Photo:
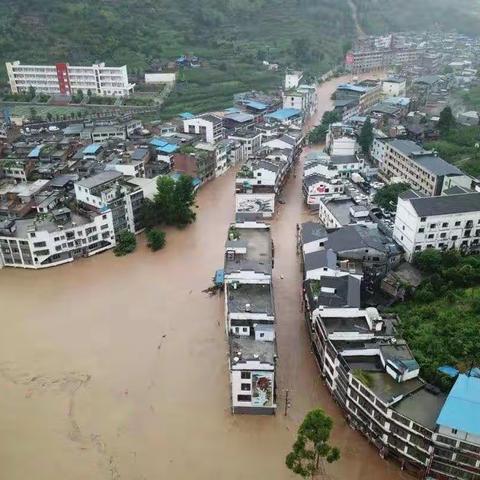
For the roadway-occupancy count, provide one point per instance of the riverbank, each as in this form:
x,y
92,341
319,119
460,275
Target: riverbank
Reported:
x,y
116,368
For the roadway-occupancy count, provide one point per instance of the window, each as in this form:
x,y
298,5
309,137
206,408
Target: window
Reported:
x,y
431,235
457,224
454,431
244,398
40,244
433,225
245,387
244,329
443,235
455,237
261,335
445,224
421,230
423,219
246,375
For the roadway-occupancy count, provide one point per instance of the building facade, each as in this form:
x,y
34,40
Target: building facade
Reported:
x,y
406,161
441,222
54,239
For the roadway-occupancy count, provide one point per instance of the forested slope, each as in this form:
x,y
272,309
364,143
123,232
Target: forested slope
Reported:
x,y
232,37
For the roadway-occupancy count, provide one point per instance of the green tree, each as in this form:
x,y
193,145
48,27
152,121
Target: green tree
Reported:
x,y
164,200
318,134
126,243
446,121
428,261
49,116
31,92
184,201
173,203
365,139
387,197
156,239
33,113
311,446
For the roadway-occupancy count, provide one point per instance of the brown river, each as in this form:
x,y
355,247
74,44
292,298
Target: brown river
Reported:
x,y
116,368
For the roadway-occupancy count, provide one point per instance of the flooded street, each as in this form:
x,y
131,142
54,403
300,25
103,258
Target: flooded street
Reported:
x,y
116,368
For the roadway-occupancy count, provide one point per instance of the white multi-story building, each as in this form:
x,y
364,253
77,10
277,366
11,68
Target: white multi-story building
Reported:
x,y
303,98
111,190
53,239
209,126
442,222
252,373
394,86
65,79
293,79
405,161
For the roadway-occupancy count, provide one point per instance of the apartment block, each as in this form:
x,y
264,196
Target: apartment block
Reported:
x,y
55,238
110,190
406,161
374,377
440,222
250,318
66,79
209,126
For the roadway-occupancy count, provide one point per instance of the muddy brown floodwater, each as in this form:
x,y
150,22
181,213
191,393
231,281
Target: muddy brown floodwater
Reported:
x,y
116,368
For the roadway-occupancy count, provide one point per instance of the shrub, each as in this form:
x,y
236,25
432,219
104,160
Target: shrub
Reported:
x,y
126,243
156,239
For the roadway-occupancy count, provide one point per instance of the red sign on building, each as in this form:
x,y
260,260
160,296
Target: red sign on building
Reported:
x,y
63,79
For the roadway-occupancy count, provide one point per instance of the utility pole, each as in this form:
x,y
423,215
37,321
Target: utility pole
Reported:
x,y
287,403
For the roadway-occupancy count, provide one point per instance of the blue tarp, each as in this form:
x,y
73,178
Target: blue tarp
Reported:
x,y
35,153
461,410
187,115
448,370
219,277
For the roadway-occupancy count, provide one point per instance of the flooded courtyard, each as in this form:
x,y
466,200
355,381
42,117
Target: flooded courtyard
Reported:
x,y
116,368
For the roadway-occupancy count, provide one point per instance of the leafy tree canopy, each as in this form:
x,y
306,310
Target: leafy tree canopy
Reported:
x,y
387,197
126,243
311,446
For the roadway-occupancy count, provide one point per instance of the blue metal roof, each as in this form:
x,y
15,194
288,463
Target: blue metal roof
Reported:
x,y
168,148
284,114
461,410
35,153
92,149
353,88
158,142
256,105
187,115
448,370
232,110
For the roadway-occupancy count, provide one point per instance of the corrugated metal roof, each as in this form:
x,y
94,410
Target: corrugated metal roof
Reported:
x,y
92,149
256,105
462,407
284,113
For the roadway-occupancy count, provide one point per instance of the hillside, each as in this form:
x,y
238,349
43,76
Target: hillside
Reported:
x,y
380,16
141,32
232,37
